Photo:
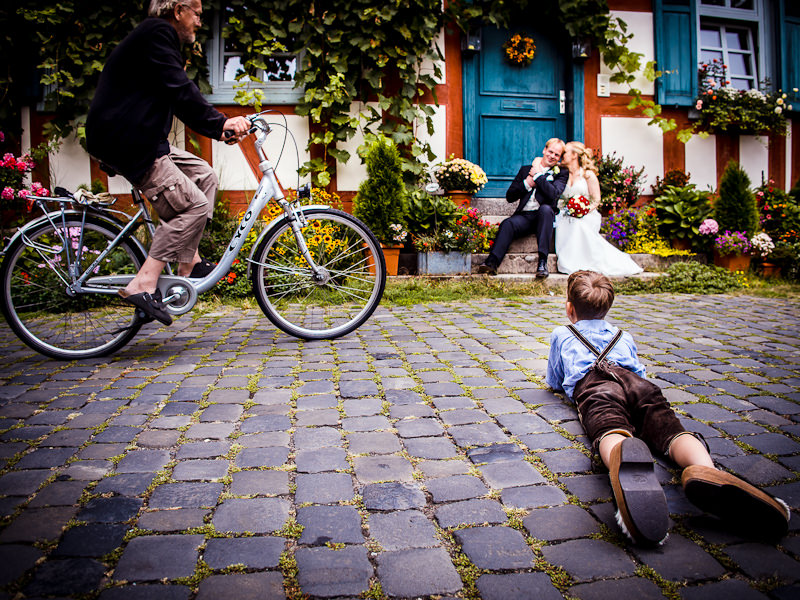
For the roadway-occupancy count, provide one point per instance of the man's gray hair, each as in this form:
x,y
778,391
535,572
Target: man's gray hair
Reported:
x,y
162,8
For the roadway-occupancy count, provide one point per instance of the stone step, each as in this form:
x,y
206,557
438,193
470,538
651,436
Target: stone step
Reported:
x,y
494,207
517,262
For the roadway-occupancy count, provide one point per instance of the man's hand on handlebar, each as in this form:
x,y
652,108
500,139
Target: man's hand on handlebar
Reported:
x,y
235,130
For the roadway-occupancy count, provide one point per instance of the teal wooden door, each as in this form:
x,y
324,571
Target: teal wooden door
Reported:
x,y
511,111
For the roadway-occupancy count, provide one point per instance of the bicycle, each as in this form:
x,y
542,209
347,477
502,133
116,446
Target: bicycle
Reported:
x,y
317,272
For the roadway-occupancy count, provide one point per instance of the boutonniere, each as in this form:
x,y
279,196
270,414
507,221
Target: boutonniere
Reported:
x,y
556,170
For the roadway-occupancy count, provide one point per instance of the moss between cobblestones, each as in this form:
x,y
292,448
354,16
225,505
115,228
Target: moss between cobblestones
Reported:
x,y
288,566
670,589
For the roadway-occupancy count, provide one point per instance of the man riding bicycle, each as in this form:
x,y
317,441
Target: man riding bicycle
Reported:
x,y
141,88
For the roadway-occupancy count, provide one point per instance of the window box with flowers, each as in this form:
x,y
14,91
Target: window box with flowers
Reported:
x,y
448,249
460,179
725,109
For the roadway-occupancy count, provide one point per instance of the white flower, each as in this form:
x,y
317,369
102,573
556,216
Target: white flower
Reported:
x,y
779,100
778,110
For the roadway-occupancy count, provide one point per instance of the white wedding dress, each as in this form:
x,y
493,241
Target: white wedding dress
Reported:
x,y
580,246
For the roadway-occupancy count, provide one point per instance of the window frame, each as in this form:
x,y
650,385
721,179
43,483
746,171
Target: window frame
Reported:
x,y
754,19
723,27
224,92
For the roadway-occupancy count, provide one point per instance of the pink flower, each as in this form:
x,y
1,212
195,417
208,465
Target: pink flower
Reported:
x,y
7,193
709,227
23,193
2,137
699,105
628,181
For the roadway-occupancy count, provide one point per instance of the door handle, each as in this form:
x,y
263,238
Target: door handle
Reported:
x,y
562,102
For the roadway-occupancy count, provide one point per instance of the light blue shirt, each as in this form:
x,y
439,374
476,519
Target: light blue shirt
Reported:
x,y
570,360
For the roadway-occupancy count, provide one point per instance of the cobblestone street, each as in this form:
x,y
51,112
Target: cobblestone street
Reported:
x,y
420,457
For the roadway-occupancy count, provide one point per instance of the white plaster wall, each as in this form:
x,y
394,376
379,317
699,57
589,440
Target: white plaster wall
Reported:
x,y
25,122
639,144
438,140
701,162
640,24
354,171
69,165
427,65
234,171
754,158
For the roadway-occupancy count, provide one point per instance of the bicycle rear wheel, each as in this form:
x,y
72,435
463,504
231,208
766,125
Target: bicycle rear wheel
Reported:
x,y
36,302
346,293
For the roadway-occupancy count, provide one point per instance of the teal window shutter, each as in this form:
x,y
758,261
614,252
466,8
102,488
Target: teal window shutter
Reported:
x,y
790,50
676,51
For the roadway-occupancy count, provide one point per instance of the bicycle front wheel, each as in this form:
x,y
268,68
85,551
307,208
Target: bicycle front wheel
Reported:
x,y
40,308
333,302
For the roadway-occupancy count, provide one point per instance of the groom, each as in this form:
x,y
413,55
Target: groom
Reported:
x,y
537,187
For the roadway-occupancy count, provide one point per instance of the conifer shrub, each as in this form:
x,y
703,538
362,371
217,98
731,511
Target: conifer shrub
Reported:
x,y
735,209
381,200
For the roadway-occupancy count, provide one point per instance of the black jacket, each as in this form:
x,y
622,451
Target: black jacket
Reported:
x,y
142,86
549,187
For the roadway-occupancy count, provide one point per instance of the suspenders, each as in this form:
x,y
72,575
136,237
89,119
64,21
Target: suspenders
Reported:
x,y
601,356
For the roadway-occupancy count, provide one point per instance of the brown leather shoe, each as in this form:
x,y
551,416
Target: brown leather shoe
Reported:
x,y
745,508
641,505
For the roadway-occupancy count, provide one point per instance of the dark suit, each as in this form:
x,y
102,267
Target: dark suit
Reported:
x,y
547,190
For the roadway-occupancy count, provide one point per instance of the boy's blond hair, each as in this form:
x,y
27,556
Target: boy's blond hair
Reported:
x,y
591,294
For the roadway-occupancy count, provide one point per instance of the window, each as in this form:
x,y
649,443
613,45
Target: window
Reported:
x,y
225,63
734,47
729,30
754,38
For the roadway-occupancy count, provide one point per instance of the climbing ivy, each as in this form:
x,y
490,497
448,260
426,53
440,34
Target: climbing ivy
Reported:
x,y
352,52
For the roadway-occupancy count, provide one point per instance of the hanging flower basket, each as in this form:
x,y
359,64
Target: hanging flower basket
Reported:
x,y
519,50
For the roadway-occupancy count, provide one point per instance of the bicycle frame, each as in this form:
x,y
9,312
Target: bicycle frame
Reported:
x,y
180,293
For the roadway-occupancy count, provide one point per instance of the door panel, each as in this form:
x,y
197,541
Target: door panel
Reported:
x,y
511,111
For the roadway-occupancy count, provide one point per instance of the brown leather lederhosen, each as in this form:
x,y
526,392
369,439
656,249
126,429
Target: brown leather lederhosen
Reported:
x,y
611,397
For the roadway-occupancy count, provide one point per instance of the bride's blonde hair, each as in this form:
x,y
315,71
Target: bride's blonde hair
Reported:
x,y
585,156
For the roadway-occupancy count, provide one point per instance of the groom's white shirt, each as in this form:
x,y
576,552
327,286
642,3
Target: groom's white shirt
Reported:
x,y
532,203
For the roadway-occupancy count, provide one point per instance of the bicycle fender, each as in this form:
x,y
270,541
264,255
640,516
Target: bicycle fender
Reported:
x,y
272,224
55,216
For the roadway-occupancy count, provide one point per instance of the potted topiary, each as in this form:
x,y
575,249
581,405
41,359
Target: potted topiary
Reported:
x,y
735,209
381,202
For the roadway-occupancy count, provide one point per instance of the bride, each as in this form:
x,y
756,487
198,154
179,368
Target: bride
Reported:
x,y
579,245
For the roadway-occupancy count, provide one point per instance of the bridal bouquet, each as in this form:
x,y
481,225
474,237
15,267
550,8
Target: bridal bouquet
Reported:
x,y
578,206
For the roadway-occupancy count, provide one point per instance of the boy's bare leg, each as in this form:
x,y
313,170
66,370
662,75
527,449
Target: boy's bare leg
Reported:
x,y
607,443
687,450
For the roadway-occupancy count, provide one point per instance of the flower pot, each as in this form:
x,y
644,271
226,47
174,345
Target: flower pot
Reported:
x,y
460,197
680,244
391,255
732,262
444,263
769,269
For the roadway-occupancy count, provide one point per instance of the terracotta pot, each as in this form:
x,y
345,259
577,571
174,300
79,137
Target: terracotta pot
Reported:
x,y
732,262
391,255
681,244
769,269
460,197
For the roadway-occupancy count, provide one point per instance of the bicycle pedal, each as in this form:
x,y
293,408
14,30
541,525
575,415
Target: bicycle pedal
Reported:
x,y
144,317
